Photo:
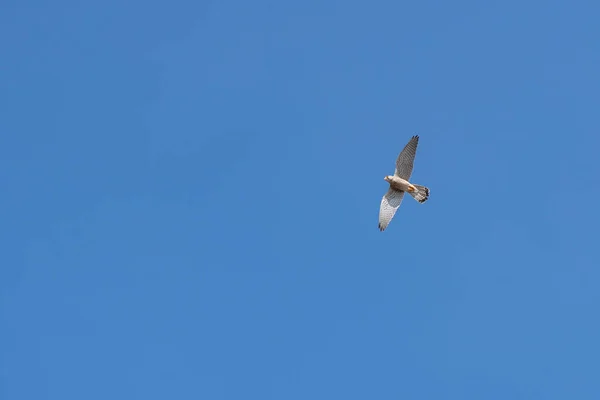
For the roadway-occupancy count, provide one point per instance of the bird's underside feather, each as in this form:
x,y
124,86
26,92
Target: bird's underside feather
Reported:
x,y
406,159
389,204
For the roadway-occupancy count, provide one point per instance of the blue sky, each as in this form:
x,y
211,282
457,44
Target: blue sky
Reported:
x,y
190,194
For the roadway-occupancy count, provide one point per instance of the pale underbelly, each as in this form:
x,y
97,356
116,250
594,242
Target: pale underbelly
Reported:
x,y
404,186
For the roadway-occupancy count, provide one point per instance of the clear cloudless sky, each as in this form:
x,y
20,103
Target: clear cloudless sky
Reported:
x,y
190,194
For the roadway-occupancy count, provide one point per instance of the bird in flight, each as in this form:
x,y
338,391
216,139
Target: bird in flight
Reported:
x,y
399,183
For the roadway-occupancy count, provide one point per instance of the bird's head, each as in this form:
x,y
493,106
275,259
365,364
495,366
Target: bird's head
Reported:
x,y
388,178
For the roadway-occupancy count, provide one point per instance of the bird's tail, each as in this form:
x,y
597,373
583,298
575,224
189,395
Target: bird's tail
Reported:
x,y
421,194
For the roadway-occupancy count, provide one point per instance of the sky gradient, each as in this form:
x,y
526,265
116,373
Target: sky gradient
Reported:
x,y
190,193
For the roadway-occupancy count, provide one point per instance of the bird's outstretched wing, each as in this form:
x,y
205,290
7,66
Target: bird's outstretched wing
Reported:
x,y
389,204
406,159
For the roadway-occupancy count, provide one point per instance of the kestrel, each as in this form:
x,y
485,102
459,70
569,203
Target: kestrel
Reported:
x,y
399,183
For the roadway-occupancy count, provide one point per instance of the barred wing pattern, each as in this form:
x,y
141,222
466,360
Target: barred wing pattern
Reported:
x,y
406,159
389,204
